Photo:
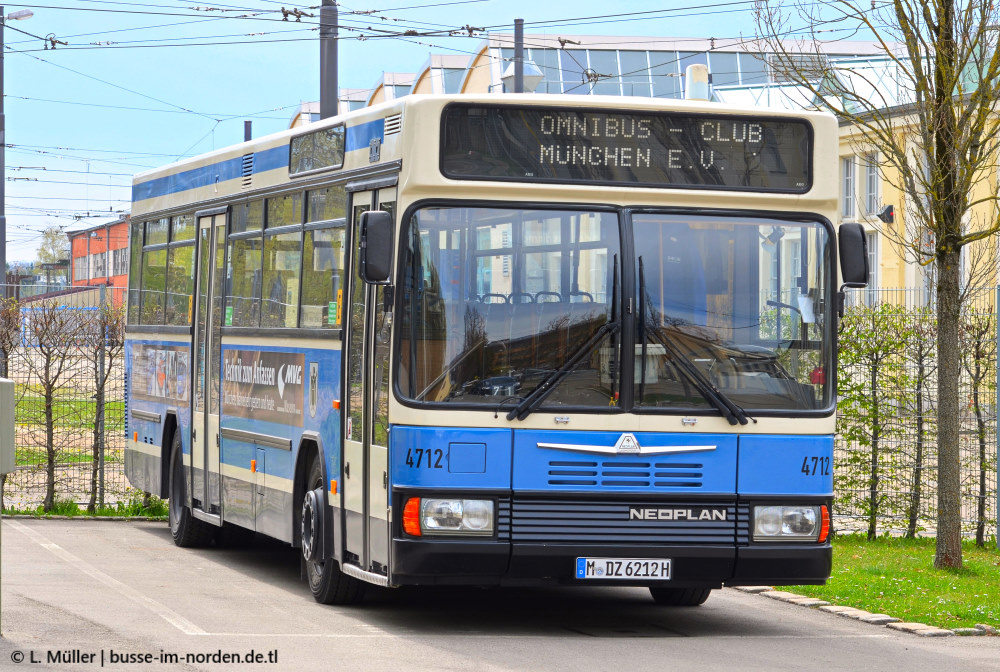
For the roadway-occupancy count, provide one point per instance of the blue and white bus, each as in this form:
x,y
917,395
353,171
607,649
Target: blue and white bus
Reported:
x,y
499,340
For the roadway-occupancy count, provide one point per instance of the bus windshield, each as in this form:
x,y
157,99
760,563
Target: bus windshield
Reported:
x,y
722,314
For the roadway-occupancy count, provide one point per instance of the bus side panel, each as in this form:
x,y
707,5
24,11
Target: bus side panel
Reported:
x,y
158,386
786,465
278,398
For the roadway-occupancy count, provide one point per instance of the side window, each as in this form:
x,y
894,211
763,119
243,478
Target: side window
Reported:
x,y
180,271
282,264
243,307
180,284
154,283
323,278
243,276
134,270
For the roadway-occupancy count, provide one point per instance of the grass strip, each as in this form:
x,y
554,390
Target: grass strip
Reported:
x,y
896,576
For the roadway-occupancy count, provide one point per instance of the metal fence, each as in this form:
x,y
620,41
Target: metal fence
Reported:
x,y
886,430
886,447
64,352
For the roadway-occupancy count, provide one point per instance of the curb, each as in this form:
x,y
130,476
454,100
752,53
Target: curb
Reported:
x,y
884,620
127,519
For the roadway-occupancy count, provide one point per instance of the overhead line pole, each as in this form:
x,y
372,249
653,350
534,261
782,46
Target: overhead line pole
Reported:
x,y
328,91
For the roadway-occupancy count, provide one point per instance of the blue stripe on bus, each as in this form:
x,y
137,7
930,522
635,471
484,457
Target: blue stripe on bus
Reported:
x,y
361,136
358,137
206,176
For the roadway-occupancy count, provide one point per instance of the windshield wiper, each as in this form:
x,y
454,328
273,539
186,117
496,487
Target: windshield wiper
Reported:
x,y
730,411
530,402
609,328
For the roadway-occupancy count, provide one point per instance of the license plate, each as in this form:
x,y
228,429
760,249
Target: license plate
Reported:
x,y
622,568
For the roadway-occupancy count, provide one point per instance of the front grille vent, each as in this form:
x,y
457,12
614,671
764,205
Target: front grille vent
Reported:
x,y
605,521
620,474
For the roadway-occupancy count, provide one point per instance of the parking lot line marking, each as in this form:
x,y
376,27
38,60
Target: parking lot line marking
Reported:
x,y
161,610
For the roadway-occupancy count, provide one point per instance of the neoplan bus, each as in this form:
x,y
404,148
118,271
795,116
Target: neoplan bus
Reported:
x,y
499,340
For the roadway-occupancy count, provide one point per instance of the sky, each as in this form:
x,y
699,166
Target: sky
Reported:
x,y
134,85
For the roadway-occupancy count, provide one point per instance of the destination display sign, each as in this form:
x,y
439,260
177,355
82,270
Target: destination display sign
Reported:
x,y
635,148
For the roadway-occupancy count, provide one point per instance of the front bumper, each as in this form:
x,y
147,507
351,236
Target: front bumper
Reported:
x,y
538,540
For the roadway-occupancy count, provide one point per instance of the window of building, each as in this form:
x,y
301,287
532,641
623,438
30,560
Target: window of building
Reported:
x,y
452,79
753,69
119,261
572,63
847,190
665,75
98,265
873,196
80,268
724,67
873,267
604,66
635,73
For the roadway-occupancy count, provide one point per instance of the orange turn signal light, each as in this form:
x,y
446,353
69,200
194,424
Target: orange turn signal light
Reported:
x,y
333,487
253,466
336,404
824,530
411,517
135,436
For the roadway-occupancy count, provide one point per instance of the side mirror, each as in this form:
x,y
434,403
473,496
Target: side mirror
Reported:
x,y
853,255
376,247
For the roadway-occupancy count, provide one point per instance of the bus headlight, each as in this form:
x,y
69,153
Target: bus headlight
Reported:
x,y
448,517
788,523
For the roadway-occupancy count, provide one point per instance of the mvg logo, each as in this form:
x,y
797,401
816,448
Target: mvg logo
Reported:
x,y
288,374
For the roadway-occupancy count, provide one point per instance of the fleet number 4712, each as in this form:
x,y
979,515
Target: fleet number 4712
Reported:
x,y
815,465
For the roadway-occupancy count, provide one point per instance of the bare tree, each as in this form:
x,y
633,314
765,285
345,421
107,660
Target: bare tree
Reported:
x,y
934,125
52,333
103,340
979,345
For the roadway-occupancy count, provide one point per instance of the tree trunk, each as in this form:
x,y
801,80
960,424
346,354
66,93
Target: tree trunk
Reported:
x,y
918,460
50,451
876,435
948,552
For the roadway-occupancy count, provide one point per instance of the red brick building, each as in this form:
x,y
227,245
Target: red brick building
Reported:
x,y
99,256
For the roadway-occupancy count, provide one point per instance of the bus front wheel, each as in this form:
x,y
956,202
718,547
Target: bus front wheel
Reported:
x,y
328,584
679,597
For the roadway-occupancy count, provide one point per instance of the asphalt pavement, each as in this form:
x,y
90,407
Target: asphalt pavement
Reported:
x,y
87,595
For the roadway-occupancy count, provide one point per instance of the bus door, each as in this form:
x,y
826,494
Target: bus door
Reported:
x,y
366,428
205,472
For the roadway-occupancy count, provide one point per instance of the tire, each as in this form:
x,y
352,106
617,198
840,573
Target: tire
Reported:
x,y
187,531
327,583
679,597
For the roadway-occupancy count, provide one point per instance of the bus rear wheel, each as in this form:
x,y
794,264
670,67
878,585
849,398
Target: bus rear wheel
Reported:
x,y
679,597
327,583
187,531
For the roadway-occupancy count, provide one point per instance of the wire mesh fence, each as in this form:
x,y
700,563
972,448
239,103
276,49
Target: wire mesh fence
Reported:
x,y
886,447
64,353
63,349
